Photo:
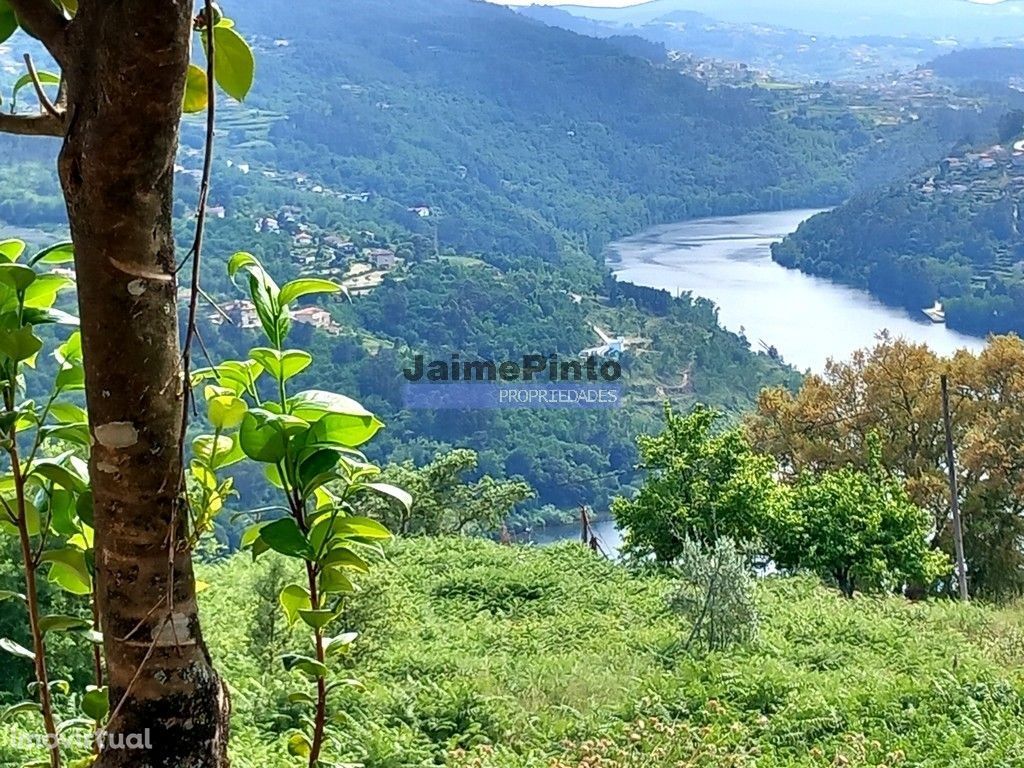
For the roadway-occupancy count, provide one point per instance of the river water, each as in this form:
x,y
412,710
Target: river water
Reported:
x,y
808,319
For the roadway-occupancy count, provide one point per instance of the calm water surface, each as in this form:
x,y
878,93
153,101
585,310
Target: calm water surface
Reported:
x,y
808,319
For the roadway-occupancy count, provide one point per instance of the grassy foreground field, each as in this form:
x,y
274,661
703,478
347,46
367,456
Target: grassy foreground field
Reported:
x,y
473,654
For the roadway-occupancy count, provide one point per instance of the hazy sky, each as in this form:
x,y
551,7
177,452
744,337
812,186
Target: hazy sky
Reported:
x,y
591,3
623,3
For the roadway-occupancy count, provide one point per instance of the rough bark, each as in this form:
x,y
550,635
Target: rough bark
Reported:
x,y
124,65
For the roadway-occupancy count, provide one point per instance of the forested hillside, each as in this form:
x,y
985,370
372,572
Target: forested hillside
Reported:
x,y
517,133
950,235
991,64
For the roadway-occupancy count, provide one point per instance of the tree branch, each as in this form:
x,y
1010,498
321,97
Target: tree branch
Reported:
x,y
32,125
45,21
44,100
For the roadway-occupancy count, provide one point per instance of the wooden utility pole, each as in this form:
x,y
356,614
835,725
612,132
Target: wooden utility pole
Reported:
x,y
954,494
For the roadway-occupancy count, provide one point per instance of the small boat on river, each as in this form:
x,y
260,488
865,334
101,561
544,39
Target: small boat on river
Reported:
x,y
936,314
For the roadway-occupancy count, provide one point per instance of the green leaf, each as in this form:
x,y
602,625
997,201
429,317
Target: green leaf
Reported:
x,y
313,404
6,594
14,649
360,528
334,582
96,703
335,645
58,253
311,667
8,21
242,260
84,508
61,475
346,558
62,623
233,375
251,535
11,249
31,517
18,276
293,599
60,507
317,465
19,344
42,293
317,619
227,411
299,746
233,62
70,377
281,365
338,420
69,570
24,706
306,286
45,78
68,413
70,580
196,90
404,498
284,536
261,438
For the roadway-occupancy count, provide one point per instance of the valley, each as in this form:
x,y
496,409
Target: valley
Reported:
x,y
228,522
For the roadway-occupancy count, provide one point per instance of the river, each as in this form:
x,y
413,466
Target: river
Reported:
x,y
608,536
808,319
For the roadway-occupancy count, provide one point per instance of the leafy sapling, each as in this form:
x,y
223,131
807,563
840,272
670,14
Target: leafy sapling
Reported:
x,y
308,442
44,499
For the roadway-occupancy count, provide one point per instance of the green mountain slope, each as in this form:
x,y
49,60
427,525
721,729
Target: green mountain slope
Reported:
x,y
522,137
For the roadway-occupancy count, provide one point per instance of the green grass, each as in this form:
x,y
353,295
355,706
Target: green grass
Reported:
x,y
473,654
479,655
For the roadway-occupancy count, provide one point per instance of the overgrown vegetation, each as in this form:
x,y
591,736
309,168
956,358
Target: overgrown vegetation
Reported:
x,y
473,654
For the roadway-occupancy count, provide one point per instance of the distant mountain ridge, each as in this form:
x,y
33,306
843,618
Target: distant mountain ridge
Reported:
x,y
964,20
775,48
986,64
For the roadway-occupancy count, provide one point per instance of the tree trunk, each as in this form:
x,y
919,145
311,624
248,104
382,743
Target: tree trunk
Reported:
x,y
125,74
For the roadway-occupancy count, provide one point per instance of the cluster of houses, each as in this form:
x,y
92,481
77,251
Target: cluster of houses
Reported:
x,y
242,313
986,174
359,264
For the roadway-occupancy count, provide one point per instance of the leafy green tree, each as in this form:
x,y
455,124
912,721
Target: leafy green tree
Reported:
x,y
445,502
45,504
856,527
701,484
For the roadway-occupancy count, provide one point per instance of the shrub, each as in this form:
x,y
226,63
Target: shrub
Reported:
x,y
858,528
715,592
